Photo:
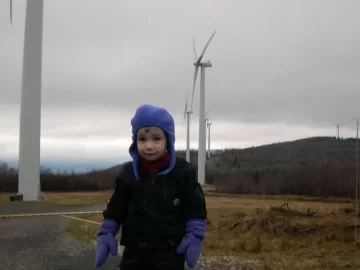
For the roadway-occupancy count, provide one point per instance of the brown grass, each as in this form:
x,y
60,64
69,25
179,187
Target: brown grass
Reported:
x,y
78,198
283,237
89,197
70,198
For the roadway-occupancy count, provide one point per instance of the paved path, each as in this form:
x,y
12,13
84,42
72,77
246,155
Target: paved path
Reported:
x,y
40,243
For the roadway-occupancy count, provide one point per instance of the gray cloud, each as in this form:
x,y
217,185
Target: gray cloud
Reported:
x,y
279,61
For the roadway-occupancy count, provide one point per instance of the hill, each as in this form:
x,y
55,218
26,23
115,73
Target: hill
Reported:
x,y
308,152
319,166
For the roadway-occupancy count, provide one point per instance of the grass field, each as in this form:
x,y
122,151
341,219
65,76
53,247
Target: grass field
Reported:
x,y
281,232
69,198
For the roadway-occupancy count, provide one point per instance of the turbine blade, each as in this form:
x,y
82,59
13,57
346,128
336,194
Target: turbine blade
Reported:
x,y
194,82
195,54
11,12
207,44
187,96
185,110
207,113
186,102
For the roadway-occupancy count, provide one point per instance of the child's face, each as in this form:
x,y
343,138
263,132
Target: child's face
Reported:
x,y
151,143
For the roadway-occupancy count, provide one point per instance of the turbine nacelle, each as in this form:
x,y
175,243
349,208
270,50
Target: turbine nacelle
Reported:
x,y
203,64
206,64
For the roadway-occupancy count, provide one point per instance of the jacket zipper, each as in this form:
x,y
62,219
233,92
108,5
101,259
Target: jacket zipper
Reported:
x,y
164,190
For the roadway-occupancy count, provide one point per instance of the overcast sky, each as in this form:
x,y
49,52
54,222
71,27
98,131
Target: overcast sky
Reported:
x,y
282,70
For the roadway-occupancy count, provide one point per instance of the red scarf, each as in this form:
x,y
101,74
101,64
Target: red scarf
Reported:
x,y
154,166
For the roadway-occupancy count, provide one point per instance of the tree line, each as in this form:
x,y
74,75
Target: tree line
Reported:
x,y
319,182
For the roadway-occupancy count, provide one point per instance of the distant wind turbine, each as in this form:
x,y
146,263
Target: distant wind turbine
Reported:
x,y
206,115
30,110
202,124
356,177
209,126
187,118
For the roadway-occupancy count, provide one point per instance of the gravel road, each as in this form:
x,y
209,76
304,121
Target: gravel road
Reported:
x,y
40,243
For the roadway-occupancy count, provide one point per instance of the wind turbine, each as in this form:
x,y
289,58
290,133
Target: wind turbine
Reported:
x,y
202,125
208,126
30,108
187,114
206,116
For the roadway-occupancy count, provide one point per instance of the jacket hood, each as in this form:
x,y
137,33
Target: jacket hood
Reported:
x,y
149,115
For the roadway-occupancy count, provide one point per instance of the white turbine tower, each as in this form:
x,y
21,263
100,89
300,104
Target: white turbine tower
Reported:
x,y
30,110
202,125
187,114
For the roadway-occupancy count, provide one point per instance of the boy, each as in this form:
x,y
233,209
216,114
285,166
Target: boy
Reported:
x,y
157,201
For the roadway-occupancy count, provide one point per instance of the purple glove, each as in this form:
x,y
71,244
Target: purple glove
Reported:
x,y
106,241
192,241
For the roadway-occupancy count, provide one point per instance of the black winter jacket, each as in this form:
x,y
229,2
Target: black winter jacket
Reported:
x,y
155,209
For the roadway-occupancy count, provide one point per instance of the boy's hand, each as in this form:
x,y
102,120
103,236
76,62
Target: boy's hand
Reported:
x,y
106,241
106,244
191,246
192,242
